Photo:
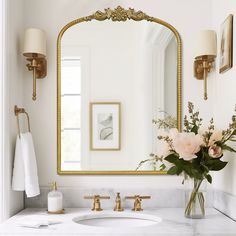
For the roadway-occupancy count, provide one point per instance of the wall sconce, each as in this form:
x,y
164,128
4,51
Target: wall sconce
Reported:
x,y
205,54
35,51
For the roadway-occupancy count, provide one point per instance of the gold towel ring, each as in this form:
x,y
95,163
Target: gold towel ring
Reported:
x,y
17,111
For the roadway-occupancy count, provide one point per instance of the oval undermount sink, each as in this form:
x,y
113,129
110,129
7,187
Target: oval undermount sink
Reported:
x,y
121,219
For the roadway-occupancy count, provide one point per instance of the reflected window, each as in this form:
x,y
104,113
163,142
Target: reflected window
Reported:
x,y
71,113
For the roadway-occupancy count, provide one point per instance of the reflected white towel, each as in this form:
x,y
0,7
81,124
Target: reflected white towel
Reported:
x,y
36,221
25,152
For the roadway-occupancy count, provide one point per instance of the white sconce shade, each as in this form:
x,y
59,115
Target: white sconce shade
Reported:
x,y
34,42
205,43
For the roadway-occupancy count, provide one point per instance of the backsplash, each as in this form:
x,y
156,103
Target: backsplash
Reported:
x,y
160,198
74,197
225,203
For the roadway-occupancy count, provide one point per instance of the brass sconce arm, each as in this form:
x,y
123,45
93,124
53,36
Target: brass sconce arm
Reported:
x,y
202,66
39,68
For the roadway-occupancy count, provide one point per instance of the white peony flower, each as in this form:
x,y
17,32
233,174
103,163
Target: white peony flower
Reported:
x,y
187,145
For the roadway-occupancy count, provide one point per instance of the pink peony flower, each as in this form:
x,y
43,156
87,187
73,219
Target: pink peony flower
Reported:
x,y
187,145
215,151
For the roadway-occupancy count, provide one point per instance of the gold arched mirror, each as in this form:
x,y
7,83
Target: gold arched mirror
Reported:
x,y
118,81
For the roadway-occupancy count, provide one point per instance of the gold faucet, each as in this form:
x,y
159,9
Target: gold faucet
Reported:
x,y
118,203
137,201
96,201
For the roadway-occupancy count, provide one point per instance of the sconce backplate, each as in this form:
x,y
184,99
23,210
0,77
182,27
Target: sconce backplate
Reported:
x,y
40,65
198,70
41,72
200,66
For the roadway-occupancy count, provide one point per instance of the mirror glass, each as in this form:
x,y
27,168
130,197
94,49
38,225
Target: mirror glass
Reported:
x,y
116,80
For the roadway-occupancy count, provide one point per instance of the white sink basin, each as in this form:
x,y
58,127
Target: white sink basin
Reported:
x,y
119,219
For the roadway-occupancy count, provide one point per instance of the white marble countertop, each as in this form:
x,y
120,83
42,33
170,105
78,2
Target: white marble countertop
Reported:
x,y
173,223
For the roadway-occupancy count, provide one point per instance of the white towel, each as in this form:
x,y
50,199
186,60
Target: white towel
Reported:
x,y
18,178
36,221
25,175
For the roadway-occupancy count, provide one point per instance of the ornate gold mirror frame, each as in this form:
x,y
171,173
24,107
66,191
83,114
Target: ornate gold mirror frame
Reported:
x,y
118,14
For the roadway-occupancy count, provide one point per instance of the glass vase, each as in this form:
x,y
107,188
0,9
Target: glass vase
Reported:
x,y
194,198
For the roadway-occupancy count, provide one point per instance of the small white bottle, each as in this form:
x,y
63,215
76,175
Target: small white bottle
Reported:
x,y
55,199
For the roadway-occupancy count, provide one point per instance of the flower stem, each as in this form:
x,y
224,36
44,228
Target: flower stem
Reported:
x,y
190,208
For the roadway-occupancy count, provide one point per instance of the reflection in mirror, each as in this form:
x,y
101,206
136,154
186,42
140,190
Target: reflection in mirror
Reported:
x,y
131,63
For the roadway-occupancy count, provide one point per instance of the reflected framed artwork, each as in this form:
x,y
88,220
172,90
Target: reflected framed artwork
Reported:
x,y
105,126
226,44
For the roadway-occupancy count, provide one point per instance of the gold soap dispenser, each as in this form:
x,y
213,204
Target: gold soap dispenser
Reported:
x,y
55,201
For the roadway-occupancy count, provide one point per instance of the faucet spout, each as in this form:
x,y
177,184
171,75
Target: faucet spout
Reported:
x,y
118,203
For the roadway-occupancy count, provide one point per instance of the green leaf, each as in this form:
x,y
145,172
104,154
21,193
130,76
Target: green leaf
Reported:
x,y
173,170
192,169
179,171
194,129
216,164
209,178
172,158
204,167
197,173
162,167
187,169
228,148
233,133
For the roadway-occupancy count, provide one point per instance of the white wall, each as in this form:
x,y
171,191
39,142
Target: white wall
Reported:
x,y
52,16
225,96
13,95
2,75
